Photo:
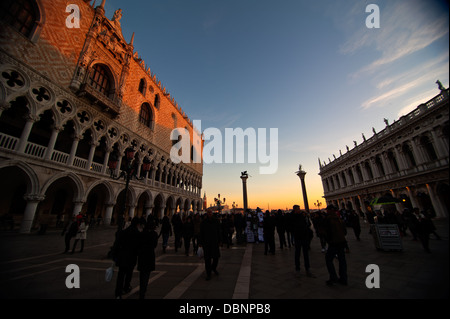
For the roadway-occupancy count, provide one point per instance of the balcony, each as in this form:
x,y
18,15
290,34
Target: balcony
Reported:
x,y
105,103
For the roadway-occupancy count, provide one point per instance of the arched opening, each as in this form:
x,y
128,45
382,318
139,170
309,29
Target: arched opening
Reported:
x,y
429,148
21,15
409,155
13,119
42,130
12,202
141,205
84,146
57,207
65,138
95,204
157,205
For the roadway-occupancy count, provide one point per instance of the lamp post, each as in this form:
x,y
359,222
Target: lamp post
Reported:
x,y
318,204
219,203
129,171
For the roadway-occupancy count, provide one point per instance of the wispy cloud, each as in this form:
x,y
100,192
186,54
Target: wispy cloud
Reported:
x,y
409,81
406,27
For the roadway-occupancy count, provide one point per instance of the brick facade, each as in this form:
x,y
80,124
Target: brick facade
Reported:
x,y
48,71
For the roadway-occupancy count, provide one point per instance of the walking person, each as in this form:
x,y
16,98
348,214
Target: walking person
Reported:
x,y
70,231
125,253
335,234
148,240
166,231
301,239
188,233
269,233
353,221
80,235
177,225
197,222
209,239
318,223
281,228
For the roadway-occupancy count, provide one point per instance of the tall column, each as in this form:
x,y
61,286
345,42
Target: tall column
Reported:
x,y
30,212
73,150
148,210
412,198
105,160
244,177
438,207
108,213
77,206
91,155
25,134
51,143
301,174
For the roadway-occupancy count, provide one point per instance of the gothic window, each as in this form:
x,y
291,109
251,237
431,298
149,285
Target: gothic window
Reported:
x,y
100,80
19,14
142,86
145,115
157,101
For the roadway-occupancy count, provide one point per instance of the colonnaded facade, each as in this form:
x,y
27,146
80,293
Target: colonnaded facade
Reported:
x,y
73,98
407,161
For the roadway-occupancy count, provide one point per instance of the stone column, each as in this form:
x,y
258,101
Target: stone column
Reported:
x,y
148,210
30,212
51,143
73,150
301,174
77,206
25,134
106,160
108,213
437,205
91,155
244,178
412,198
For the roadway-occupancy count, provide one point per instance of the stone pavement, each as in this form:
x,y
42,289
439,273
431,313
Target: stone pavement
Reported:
x,y
33,267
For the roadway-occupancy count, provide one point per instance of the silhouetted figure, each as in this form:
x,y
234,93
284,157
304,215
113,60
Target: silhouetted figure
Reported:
x,y
125,252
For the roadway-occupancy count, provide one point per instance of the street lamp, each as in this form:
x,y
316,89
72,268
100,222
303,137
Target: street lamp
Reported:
x,y
219,203
318,204
128,172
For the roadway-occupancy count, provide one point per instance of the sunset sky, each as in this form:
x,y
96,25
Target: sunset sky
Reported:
x,y
311,69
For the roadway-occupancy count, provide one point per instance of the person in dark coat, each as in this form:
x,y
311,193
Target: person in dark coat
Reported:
x,y
166,231
269,233
188,233
335,232
301,239
281,228
177,225
353,220
70,231
125,252
148,240
209,239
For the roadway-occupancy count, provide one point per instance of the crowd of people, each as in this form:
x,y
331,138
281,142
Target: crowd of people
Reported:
x,y
137,239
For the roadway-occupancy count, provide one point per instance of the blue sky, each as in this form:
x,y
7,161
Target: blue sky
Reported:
x,y
311,69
